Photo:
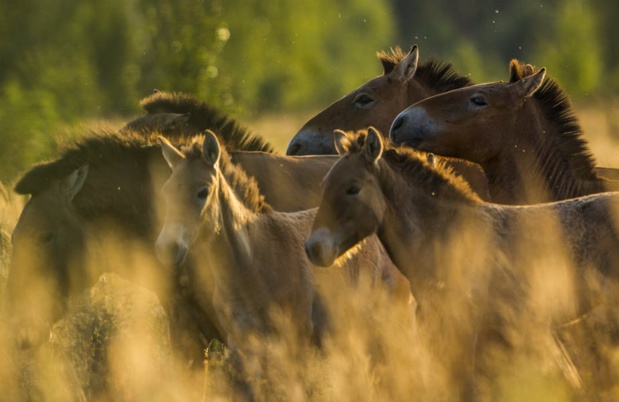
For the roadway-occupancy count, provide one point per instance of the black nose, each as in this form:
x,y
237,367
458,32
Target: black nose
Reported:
x,y
173,251
295,147
395,128
314,251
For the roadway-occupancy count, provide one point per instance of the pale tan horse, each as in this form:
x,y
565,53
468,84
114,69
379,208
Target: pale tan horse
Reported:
x,y
253,254
483,274
523,133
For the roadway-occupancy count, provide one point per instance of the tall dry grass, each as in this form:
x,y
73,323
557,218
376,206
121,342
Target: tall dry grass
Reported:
x,y
114,344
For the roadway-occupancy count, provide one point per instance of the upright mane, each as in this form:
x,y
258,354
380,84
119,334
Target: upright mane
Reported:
x,y
439,76
557,108
243,185
204,116
437,177
96,147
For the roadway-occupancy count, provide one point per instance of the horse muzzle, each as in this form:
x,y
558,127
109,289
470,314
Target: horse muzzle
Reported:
x,y
320,249
172,253
311,142
411,127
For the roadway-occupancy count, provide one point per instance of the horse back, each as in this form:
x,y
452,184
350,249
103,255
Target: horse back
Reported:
x,y
288,183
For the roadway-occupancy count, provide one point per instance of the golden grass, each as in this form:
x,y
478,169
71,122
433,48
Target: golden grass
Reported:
x,y
114,343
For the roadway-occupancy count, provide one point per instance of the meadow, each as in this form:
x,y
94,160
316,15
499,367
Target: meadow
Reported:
x,y
114,342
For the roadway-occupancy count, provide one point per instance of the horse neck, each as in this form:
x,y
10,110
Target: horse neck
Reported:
x,y
415,222
416,91
120,193
534,169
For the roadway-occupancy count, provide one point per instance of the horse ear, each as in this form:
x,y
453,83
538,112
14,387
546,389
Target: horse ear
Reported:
x,y
171,155
72,184
405,70
527,86
515,74
373,148
341,142
210,149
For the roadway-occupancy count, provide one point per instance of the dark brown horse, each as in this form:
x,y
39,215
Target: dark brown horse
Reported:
x,y
482,273
377,102
523,133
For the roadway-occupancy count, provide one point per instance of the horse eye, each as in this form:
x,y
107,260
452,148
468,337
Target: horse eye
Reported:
x,y
353,190
478,100
363,100
203,194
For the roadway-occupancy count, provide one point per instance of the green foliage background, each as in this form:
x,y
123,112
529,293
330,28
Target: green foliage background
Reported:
x,y
65,61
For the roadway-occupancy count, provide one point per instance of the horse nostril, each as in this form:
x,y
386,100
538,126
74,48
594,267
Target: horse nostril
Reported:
x,y
313,251
395,127
397,123
294,148
174,250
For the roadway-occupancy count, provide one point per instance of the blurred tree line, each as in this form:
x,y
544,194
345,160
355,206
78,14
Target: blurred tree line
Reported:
x,y
64,61
573,39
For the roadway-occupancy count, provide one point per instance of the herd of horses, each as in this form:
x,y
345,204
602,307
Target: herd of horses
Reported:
x,y
426,185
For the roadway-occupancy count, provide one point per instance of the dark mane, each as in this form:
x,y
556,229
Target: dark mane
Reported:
x,y
206,117
438,178
94,148
243,185
438,75
557,108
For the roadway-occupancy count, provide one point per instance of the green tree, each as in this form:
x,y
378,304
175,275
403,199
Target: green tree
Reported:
x,y
572,53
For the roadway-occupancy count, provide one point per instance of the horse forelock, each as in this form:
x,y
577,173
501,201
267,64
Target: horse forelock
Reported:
x,y
206,116
390,59
438,75
244,186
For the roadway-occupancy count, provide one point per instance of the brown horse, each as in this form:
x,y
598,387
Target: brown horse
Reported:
x,y
377,102
475,268
254,254
523,133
